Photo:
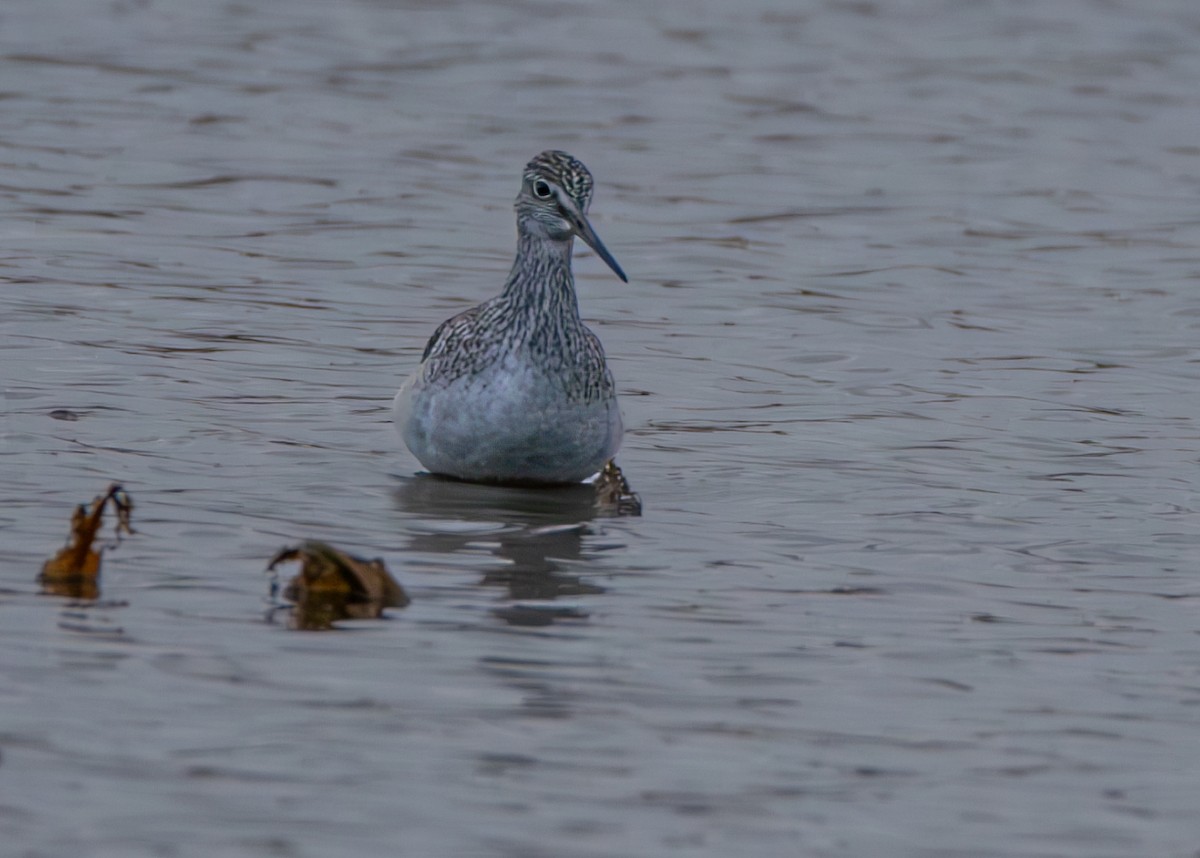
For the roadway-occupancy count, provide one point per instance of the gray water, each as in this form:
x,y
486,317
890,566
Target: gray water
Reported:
x,y
909,361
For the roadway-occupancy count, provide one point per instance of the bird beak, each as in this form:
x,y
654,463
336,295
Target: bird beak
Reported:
x,y
584,230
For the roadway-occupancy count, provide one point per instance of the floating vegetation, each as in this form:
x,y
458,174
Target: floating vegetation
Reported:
x,y
75,570
613,494
333,585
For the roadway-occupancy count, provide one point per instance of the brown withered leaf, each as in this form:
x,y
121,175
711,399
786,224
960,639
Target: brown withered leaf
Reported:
x,y
75,570
613,494
333,585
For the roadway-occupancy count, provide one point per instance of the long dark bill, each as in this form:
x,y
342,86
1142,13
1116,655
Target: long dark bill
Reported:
x,y
584,230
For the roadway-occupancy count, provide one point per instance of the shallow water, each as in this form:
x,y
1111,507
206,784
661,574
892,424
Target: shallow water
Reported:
x,y
908,360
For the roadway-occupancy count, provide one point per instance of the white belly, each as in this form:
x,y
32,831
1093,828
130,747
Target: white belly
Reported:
x,y
508,423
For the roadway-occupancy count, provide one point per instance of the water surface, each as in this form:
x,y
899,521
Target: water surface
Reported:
x,y
908,360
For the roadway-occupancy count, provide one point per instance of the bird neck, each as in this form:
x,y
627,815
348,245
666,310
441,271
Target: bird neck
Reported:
x,y
541,284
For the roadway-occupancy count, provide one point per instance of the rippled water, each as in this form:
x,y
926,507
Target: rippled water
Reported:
x,y
909,362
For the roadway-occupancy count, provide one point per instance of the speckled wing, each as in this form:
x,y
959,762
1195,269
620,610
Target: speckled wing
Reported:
x,y
596,382
448,353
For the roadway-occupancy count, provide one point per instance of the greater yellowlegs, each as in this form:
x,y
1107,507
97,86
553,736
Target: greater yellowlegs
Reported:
x,y
516,389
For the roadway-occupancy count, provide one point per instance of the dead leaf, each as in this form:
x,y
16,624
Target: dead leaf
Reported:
x,y
75,570
333,585
613,494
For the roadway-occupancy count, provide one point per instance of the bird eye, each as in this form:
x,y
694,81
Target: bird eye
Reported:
x,y
541,190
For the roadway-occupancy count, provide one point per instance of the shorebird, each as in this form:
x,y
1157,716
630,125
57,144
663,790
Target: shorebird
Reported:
x,y
516,389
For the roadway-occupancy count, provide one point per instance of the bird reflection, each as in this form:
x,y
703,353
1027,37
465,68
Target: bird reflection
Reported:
x,y
542,531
